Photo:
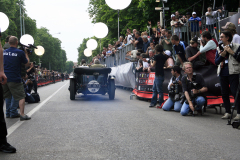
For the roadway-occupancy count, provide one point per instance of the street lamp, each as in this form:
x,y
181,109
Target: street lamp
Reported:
x,y
39,51
162,17
92,44
87,52
100,31
27,39
114,4
4,22
56,33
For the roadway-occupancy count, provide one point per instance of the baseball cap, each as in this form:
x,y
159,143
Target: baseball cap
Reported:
x,y
167,52
194,13
173,15
195,39
229,25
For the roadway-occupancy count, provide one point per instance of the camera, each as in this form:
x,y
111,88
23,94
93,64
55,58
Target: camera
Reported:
x,y
194,85
174,91
183,99
28,48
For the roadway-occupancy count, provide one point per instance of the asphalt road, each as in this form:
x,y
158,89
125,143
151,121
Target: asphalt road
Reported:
x,y
94,127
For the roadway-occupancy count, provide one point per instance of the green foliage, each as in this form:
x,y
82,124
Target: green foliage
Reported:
x,y
69,66
54,57
139,13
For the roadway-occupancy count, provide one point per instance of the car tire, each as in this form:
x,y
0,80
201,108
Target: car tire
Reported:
x,y
72,89
111,91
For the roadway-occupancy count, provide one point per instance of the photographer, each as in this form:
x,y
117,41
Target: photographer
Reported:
x,y
27,83
175,90
208,45
13,57
32,72
193,86
159,61
228,58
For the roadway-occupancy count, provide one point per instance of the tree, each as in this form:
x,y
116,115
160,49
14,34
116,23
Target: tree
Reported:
x,y
69,66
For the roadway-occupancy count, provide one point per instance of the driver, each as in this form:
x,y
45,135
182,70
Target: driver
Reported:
x,y
97,64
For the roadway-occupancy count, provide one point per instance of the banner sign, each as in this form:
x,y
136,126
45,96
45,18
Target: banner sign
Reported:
x,y
144,84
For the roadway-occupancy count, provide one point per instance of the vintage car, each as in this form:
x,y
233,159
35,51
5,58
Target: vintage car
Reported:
x,y
92,81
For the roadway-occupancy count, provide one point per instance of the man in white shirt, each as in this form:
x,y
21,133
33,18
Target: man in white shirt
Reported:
x,y
211,18
232,28
209,48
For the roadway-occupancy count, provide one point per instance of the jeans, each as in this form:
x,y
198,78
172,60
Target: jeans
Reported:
x,y
210,28
157,89
169,103
199,101
11,107
233,81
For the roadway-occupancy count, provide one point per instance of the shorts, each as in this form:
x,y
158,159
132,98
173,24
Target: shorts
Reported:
x,y
14,89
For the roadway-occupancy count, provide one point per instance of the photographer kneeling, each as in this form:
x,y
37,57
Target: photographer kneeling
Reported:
x,y
175,90
27,83
193,85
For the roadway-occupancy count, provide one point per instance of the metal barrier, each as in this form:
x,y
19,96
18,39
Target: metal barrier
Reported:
x,y
194,28
119,57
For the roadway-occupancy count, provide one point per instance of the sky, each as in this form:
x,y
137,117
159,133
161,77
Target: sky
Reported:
x,y
69,17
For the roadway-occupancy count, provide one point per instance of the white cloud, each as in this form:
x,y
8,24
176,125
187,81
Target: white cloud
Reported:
x,y
69,17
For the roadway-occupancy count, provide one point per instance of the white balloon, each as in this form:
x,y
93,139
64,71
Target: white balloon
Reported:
x,y
92,44
39,51
4,22
27,39
87,52
100,30
118,5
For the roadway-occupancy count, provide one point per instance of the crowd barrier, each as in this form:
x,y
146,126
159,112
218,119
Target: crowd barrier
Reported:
x,y
119,57
142,82
47,80
194,29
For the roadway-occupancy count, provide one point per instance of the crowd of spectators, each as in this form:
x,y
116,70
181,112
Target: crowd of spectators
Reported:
x,y
176,53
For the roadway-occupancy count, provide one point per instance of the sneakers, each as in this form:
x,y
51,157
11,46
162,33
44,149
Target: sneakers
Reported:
x,y
24,118
237,117
7,148
226,116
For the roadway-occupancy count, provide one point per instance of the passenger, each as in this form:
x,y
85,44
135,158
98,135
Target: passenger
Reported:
x,y
97,64
83,64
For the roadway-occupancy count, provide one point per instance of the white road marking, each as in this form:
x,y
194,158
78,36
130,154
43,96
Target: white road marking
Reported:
x,y
19,123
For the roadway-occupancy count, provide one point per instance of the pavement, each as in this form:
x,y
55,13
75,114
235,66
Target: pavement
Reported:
x,y
96,128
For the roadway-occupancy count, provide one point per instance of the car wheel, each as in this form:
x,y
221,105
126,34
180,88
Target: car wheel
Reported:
x,y
72,89
111,91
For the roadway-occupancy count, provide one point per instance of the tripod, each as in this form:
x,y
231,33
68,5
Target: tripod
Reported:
x,y
234,105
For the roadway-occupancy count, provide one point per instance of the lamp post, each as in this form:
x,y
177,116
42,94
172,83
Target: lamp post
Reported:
x,y
56,33
26,39
4,22
100,31
163,9
39,51
114,4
